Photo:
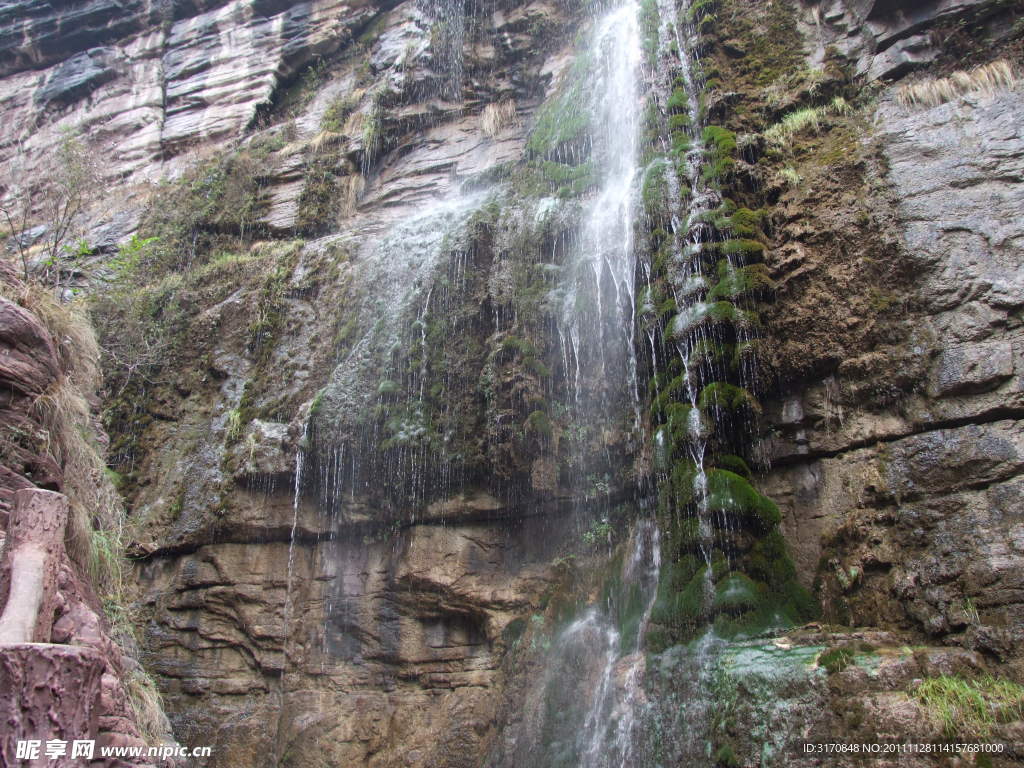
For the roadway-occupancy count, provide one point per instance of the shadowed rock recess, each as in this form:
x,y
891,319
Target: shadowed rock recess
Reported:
x,y
545,383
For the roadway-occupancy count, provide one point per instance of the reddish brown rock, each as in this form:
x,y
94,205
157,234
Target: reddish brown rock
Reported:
x,y
31,564
47,692
28,357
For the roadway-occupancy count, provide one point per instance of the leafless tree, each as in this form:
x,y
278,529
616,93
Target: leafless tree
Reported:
x,y
57,201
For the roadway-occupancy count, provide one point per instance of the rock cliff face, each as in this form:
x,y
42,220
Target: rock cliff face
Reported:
x,y
332,380
875,480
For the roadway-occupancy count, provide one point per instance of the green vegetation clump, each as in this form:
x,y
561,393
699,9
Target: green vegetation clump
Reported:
x,y
716,312
971,708
807,117
725,755
721,148
654,191
564,118
566,180
678,101
528,354
269,310
319,201
731,493
338,112
739,281
737,592
681,591
722,394
539,423
650,19
836,659
740,246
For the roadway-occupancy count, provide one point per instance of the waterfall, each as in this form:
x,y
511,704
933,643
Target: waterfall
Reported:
x,y
593,678
592,687
300,461
597,316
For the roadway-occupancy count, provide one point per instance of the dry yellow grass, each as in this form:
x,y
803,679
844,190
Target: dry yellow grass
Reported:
x,y
325,139
986,79
809,117
354,123
71,435
497,116
355,185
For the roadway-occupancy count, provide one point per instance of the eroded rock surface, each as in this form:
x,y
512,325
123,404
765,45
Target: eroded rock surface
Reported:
x,y
914,505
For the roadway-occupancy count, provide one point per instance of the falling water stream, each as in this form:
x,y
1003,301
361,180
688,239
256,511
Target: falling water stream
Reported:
x,y
598,310
597,333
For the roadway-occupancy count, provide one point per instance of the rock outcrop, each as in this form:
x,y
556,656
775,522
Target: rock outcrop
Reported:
x,y
64,677
909,508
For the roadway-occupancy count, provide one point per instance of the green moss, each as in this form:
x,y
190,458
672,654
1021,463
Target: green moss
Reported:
x,y
683,475
539,423
578,177
626,602
743,247
734,464
679,122
722,140
667,394
768,35
679,418
737,592
678,101
721,394
654,191
721,148
739,281
716,312
728,492
564,119
714,352
768,561
745,223
681,145
681,593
